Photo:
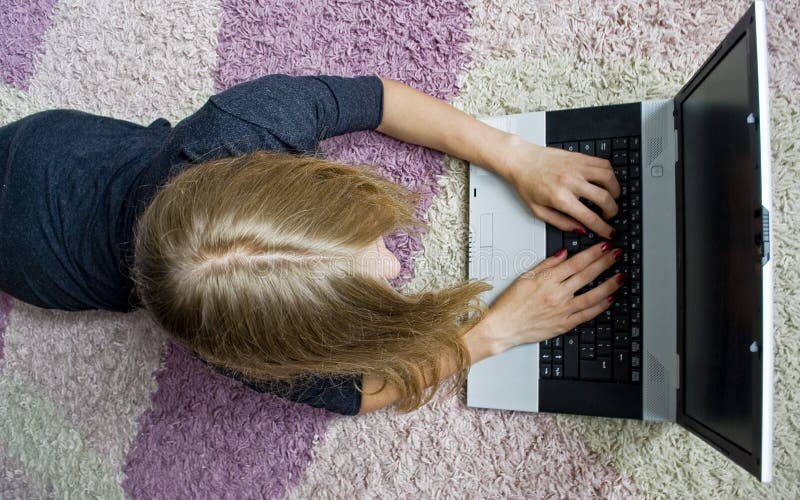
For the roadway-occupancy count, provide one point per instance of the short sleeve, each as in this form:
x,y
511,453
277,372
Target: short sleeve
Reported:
x,y
300,111
337,394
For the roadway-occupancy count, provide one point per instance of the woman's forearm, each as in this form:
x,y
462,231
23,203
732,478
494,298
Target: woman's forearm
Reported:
x,y
413,116
480,343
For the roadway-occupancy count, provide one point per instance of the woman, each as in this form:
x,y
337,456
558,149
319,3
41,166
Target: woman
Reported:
x,y
268,262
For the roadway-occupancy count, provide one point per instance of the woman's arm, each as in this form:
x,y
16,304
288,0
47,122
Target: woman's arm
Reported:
x,y
539,305
478,341
551,181
416,117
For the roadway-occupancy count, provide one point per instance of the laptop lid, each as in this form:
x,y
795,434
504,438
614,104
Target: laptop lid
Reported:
x,y
724,267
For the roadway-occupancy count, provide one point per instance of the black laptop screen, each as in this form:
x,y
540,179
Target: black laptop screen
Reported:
x,y
721,275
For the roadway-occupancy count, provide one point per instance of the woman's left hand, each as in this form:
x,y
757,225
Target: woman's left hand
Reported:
x,y
551,181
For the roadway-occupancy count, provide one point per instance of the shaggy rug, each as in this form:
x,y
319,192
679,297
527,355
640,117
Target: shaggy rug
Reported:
x,y
102,405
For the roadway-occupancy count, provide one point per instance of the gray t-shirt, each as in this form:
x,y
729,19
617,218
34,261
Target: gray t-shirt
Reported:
x,y
74,183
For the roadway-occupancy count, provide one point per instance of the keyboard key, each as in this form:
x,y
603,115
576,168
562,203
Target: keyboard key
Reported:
x,y
557,371
545,371
620,143
636,273
636,302
636,361
621,341
604,148
588,240
558,343
605,317
587,335
558,357
636,331
587,351
603,332
636,172
636,184
547,344
636,228
598,369
636,347
633,158
619,158
633,142
571,146
634,375
545,356
621,323
604,350
573,245
587,147
636,317
636,257
621,173
621,365
571,356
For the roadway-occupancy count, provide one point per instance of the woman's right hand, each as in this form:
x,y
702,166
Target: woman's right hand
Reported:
x,y
541,303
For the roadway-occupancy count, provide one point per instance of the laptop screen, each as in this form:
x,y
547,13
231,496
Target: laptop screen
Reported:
x,y
721,261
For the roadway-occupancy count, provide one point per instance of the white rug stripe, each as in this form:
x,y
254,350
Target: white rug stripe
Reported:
x,y
132,60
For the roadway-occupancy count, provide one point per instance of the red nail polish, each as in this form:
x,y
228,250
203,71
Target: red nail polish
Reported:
x,y
580,231
611,298
618,253
561,252
620,278
604,247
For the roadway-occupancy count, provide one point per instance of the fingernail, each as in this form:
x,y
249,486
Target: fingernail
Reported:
x,y
561,252
580,231
620,278
605,246
611,298
618,253
613,233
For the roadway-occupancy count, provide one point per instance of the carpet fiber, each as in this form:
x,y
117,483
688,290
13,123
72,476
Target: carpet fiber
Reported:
x,y
99,404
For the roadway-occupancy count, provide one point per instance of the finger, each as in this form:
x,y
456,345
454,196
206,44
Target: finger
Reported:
x,y
599,197
558,219
548,263
580,261
590,313
582,214
598,293
602,174
593,270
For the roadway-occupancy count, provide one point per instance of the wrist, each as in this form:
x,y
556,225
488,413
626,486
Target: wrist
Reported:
x,y
514,151
485,341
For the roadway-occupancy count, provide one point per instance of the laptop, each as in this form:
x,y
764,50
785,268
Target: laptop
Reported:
x,y
690,337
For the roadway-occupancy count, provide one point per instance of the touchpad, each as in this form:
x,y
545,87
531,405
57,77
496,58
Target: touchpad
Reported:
x,y
519,244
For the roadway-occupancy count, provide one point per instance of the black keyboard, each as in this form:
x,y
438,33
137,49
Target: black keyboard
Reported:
x,y
609,347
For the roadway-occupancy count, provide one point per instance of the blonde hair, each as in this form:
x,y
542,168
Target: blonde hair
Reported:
x,y
245,262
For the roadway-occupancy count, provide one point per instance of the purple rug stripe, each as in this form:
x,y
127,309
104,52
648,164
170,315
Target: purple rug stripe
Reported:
x,y
417,42
207,434
5,309
22,28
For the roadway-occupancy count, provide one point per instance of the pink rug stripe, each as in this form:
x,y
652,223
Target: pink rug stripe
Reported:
x,y
206,434
22,28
